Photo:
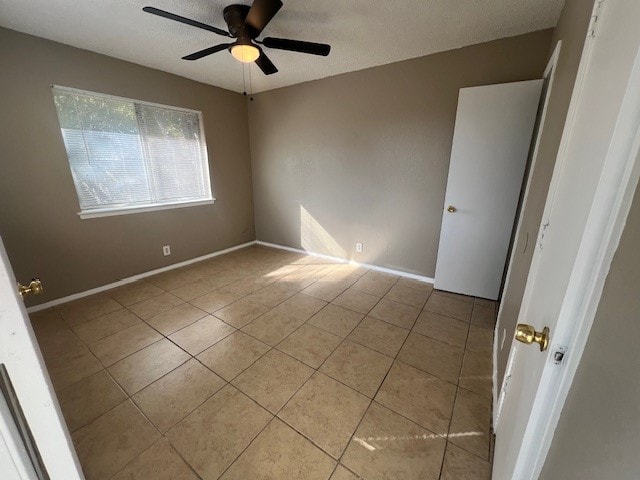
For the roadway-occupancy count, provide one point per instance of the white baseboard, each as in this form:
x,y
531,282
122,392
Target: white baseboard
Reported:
x,y
135,278
173,266
400,273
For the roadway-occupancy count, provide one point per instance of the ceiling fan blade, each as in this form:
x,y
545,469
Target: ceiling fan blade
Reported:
x,y
265,64
188,21
261,13
207,51
297,46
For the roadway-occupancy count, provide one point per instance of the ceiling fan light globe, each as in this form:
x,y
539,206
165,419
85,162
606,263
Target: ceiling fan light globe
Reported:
x,y
245,53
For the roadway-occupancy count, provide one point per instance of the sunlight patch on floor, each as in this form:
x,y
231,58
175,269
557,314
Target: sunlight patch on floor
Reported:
x,y
393,438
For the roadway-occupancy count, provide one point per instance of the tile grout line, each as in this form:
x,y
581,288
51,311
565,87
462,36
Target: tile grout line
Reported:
x,y
128,397
271,347
194,357
240,329
455,399
444,436
226,383
300,326
212,314
235,387
105,368
274,416
289,399
145,321
162,437
395,359
372,398
377,390
275,347
127,308
458,388
298,389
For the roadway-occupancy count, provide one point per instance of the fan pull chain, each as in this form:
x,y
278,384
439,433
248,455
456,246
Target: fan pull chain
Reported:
x,y
244,82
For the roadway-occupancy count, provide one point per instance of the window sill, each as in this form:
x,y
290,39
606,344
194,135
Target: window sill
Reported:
x,y
110,212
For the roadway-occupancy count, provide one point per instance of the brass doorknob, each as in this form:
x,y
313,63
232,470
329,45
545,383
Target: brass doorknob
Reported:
x,y
527,334
35,287
451,209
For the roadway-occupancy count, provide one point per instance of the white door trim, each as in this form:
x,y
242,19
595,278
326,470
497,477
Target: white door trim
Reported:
x,y
604,227
603,231
549,72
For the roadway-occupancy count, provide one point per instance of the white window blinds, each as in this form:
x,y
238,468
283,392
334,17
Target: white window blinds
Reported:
x,y
128,154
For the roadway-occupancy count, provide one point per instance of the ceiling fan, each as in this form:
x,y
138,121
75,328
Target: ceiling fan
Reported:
x,y
245,25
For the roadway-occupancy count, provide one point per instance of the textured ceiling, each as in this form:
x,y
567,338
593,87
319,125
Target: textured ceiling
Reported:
x,y
362,33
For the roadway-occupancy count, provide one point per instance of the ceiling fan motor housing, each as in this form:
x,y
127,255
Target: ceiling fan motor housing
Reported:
x,y
235,15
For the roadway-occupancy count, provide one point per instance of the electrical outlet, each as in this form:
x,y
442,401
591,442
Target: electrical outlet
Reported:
x,y
166,250
359,247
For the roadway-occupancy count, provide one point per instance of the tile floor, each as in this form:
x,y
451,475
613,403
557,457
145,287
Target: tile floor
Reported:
x,y
266,364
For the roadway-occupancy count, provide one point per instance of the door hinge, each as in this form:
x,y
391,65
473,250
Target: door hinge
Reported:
x,y
595,16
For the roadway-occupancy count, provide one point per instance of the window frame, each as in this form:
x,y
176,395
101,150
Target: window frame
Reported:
x,y
129,209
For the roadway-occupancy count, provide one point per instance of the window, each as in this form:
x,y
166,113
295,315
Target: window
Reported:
x,y
128,156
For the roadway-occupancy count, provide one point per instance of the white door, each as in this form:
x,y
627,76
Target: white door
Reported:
x,y
23,365
491,141
594,178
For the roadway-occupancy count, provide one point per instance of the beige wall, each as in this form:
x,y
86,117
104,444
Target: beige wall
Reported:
x,y
38,222
364,156
571,29
597,436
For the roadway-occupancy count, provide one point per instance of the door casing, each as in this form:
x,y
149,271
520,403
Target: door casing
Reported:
x,y
613,48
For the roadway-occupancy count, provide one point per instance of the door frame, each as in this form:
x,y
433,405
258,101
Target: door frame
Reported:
x,y
603,230
549,73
